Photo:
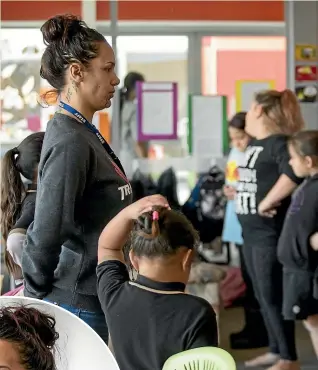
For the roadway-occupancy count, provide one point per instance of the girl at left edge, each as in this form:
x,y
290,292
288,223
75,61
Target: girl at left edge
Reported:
x,y
18,202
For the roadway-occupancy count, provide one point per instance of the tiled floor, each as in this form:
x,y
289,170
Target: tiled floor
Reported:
x,y
232,321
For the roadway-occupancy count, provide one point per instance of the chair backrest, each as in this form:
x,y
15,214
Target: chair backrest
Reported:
x,y
1,282
205,358
78,346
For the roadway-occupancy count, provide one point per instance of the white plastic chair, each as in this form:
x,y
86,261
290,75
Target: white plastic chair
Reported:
x,y
78,347
205,358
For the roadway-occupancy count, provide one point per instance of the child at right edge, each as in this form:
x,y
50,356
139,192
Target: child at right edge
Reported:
x,y
298,243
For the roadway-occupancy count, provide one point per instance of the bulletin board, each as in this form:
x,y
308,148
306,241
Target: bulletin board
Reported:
x,y
245,91
207,130
157,110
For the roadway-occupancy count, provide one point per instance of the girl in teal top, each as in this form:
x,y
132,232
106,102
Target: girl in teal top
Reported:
x,y
232,231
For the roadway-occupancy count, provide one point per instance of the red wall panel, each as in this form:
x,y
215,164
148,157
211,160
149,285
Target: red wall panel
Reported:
x,y
37,10
150,10
195,10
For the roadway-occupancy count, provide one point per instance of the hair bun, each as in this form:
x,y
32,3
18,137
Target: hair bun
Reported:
x,y
59,27
32,320
287,94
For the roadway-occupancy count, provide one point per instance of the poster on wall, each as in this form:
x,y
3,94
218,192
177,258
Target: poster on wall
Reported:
x,y
245,91
306,73
207,130
307,93
157,110
306,52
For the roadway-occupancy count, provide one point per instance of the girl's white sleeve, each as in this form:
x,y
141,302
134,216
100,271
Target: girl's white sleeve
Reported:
x,y
15,244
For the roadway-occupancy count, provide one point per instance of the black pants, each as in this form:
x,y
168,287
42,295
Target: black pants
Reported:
x,y
250,301
267,277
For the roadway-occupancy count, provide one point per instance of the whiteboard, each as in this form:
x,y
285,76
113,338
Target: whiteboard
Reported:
x,y
157,111
207,125
246,90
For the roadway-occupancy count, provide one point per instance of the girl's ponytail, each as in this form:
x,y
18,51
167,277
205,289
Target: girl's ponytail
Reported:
x,y
12,193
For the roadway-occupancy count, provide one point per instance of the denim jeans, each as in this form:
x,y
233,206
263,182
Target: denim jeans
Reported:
x,y
95,320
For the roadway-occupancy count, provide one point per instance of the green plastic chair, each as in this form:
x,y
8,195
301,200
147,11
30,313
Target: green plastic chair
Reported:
x,y
205,358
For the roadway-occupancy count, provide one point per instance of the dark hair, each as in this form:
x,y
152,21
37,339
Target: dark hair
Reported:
x,y
163,237
129,85
22,160
238,121
283,110
305,143
34,334
68,40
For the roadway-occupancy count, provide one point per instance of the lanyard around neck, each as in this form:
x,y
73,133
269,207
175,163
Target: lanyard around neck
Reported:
x,y
93,129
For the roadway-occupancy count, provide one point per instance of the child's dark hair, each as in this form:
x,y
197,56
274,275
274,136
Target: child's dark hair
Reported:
x,y
129,85
238,121
22,160
33,333
162,236
305,143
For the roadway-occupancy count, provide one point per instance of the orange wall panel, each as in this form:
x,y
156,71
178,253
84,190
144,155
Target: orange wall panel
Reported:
x,y
37,10
150,10
249,65
195,10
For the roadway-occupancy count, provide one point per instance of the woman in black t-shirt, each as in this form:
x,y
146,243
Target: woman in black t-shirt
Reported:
x,y
266,182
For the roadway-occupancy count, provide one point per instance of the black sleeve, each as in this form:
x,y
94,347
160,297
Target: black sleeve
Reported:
x,y
205,331
62,179
111,275
281,157
27,212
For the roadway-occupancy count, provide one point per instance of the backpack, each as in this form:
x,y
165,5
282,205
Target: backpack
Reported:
x,y
212,202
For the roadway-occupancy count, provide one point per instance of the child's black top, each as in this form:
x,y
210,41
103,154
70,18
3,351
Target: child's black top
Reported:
x,y
301,222
27,212
265,161
16,237
147,323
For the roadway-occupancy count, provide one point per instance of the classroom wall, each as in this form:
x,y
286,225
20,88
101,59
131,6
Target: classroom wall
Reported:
x,y
228,59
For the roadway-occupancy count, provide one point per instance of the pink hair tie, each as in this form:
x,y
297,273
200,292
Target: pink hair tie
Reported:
x,y
155,216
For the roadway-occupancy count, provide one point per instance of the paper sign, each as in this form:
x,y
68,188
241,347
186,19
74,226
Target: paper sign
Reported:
x,y
306,73
306,52
245,91
157,111
207,133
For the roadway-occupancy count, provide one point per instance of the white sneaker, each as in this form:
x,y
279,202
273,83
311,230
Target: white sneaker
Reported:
x,y
267,359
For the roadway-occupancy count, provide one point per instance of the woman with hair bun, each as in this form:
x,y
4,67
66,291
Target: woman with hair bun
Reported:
x,y
27,339
81,184
266,182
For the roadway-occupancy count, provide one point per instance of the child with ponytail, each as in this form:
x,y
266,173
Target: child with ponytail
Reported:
x,y
17,201
298,247
151,318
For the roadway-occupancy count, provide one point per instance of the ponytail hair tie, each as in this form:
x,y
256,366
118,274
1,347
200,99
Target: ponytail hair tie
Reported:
x,y
155,216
